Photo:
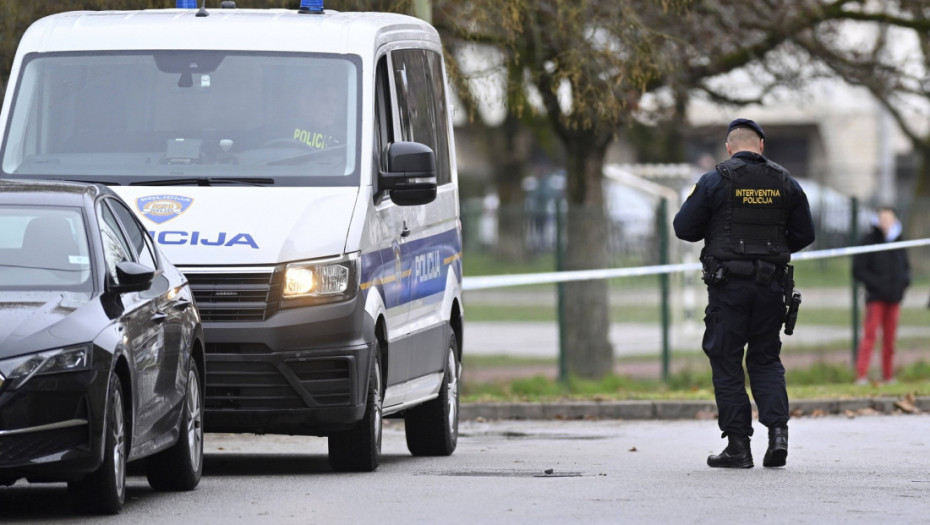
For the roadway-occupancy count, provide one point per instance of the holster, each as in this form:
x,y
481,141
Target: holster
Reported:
x,y
712,271
792,300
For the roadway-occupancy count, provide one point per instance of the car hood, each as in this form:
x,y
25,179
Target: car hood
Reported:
x,y
244,225
36,321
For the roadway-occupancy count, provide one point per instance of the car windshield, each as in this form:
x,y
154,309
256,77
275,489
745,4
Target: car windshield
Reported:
x,y
186,117
44,249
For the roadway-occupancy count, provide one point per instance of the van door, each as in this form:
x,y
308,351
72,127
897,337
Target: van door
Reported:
x,y
391,234
430,245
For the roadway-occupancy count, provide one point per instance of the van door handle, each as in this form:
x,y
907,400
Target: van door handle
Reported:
x,y
406,231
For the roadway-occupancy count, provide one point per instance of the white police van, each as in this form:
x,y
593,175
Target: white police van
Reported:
x,y
299,167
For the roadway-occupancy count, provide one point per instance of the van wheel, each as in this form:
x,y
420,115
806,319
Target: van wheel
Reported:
x,y
359,448
104,490
433,427
180,467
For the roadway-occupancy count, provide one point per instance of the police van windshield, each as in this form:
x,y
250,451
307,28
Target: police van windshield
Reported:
x,y
152,117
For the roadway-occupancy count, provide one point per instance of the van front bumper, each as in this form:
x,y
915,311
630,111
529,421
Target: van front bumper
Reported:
x,y
302,371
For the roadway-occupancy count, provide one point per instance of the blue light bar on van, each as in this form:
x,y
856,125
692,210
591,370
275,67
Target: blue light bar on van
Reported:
x,y
313,7
187,4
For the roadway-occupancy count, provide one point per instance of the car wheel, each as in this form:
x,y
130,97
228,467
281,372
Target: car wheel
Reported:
x,y
432,428
359,448
104,490
180,467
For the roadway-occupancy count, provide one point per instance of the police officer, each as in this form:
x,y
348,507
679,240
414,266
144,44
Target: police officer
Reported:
x,y
315,121
752,216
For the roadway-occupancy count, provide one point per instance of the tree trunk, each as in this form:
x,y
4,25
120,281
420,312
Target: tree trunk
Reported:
x,y
587,322
507,144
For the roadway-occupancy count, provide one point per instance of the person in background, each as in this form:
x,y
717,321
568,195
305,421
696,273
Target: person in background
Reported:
x,y
315,122
885,275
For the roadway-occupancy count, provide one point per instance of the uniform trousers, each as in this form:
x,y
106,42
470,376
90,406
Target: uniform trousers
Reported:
x,y
885,314
745,317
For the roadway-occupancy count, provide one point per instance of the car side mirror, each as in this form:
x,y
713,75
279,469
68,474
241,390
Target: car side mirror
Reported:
x,y
411,174
132,277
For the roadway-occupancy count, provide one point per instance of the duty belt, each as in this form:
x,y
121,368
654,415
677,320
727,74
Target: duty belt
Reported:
x,y
761,271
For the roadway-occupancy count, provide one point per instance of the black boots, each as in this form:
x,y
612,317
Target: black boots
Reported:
x,y
739,455
778,447
736,455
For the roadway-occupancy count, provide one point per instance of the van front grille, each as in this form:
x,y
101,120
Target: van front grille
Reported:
x,y
233,296
260,383
248,385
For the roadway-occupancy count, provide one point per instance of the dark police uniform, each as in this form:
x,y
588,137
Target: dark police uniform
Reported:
x,y
751,215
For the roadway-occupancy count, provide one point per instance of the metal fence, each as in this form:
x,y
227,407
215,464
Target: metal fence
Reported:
x,y
523,238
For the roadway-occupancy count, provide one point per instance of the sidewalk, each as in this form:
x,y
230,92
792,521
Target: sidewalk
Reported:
x,y
541,339
681,409
819,297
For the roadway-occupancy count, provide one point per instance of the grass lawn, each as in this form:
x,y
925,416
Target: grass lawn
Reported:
x,y
690,380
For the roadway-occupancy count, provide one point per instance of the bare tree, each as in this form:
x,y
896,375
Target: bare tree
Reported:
x,y
899,82
586,64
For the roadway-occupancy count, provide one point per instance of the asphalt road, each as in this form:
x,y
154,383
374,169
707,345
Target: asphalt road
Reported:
x,y
868,469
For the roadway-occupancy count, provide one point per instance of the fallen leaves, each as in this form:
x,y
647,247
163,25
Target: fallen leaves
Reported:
x,y
907,404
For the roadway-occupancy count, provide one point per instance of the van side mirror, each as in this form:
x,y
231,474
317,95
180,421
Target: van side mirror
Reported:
x,y
411,174
133,277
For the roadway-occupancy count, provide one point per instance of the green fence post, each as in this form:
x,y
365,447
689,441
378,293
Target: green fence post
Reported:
x,y
662,227
853,241
560,289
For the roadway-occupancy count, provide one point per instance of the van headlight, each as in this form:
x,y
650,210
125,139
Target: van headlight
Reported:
x,y
314,282
18,370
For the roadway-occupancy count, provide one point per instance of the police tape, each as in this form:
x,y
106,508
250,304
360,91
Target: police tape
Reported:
x,y
523,279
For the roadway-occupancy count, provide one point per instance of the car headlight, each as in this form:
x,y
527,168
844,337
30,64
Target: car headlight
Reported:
x,y
310,282
18,370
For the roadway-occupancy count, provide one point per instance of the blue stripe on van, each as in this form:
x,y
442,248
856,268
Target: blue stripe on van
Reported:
x,y
423,272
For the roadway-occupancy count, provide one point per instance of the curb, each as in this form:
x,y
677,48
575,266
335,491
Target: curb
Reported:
x,y
669,410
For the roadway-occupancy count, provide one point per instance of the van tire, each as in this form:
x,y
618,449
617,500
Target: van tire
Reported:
x,y
432,428
359,448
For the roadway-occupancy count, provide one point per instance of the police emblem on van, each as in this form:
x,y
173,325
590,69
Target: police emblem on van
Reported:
x,y
161,208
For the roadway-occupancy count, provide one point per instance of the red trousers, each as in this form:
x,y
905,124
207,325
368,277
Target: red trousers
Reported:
x,y
884,314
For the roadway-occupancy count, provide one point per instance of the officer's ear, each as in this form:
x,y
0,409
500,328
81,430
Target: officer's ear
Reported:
x,y
761,146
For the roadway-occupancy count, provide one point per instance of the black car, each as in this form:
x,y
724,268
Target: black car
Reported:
x,y
101,347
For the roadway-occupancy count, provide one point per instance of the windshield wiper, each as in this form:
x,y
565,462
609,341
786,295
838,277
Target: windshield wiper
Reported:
x,y
206,181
